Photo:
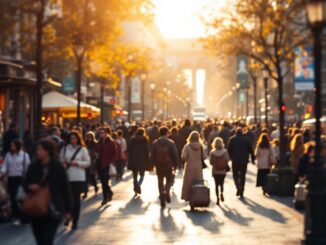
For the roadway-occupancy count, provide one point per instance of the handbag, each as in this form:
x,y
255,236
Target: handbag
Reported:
x,y
202,158
36,204
112,170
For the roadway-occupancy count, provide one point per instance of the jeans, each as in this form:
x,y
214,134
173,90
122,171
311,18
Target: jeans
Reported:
x,y
90,179
239,175
103,175
135,177
219,183
44,230
168,176
76,190
13,185
120,165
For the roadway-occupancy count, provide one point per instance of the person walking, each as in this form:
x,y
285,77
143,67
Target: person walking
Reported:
x,y
138,158
193,155
8,137
176,138
121,153
165,159
48,171
239,149
297,152
265,159
219,158
90,142
76,159
15,166
106,153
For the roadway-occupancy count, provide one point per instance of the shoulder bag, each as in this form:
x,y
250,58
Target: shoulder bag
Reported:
x,y
36,204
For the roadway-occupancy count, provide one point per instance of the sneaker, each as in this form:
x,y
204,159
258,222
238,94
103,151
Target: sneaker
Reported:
x,y
222,198
17,223
104,202
238,192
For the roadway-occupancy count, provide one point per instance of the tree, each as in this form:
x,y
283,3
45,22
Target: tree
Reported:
x,y
265,31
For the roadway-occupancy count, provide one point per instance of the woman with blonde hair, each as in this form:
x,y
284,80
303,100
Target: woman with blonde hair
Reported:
x,y
265,160
219,158
297,151
193,155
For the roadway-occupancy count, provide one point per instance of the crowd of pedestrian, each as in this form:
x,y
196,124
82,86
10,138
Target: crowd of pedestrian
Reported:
x,y
65,161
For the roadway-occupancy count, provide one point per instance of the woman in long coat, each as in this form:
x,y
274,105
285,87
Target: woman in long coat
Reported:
x,y
192,154
138,158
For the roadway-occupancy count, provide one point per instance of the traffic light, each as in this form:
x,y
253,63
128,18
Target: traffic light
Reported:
x,y
283,108
310,109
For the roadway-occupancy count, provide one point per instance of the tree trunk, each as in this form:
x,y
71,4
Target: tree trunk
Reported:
x,y
39,71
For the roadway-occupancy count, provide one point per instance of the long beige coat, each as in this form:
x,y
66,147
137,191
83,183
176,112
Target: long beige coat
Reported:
x,y
191,154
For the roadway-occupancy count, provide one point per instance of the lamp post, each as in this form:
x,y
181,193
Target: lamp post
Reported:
x,y
152,86
130,58
163,102
265,75
237,87
315,216
143,79
78,47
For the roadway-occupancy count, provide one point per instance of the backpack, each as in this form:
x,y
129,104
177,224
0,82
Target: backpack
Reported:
x,y
219,163
162,155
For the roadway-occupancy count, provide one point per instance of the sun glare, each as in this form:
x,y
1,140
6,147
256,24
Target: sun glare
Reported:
x,y
180,18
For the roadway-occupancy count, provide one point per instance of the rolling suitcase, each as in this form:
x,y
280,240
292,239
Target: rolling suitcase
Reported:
x,y
300,195
200,195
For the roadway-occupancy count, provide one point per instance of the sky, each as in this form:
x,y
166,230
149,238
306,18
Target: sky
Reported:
x,y
180,18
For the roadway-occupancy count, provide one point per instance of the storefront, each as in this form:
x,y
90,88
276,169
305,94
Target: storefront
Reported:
x,y
16,94
59,109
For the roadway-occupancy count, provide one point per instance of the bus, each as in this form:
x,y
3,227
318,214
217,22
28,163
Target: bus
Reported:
x,y
199,114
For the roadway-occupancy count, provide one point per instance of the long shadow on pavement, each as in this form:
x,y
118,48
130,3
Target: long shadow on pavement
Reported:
x,y
168,226
205,219
235,216
270,213
134,207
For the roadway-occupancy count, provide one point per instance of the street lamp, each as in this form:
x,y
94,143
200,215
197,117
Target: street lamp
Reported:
x,y
237,87
315,216
143,77
128,80
266,75
152,87
79,49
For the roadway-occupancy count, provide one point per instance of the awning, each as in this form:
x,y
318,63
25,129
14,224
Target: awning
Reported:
x,y
57,101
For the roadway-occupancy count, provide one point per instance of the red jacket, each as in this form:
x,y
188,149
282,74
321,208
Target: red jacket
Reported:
x,y
107,153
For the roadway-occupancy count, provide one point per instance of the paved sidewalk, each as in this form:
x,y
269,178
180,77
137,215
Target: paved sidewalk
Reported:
x,y
127,220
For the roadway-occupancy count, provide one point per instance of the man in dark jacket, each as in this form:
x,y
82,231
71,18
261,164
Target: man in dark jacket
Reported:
x,y
225,133
106,152
165,159
239,149
9,136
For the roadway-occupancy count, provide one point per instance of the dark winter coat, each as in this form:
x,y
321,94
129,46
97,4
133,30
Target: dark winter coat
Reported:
x,y
225,135
184,132
176,138
239,149
57,182
138,153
